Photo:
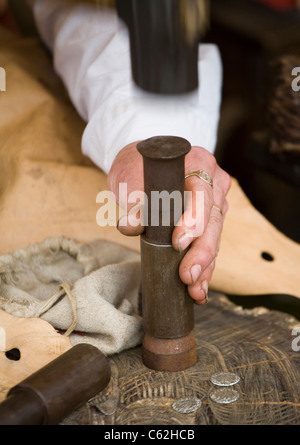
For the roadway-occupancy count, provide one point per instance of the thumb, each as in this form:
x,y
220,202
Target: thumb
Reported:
x,y
132,222
125,180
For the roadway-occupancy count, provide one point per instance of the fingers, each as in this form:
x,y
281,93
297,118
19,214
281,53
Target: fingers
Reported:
x,y
203,250
198,264
125,180
130,224
199,290
203,237
200,197
201,224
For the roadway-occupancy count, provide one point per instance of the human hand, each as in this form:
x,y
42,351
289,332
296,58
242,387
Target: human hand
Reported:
x,y
197,266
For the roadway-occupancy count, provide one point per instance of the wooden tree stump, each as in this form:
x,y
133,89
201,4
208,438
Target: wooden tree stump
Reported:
x,y
254,344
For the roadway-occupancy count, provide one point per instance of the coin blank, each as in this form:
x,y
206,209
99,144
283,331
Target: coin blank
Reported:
x,y
225,379
188,405
224,395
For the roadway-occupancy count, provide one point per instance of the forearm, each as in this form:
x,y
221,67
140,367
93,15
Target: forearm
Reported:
x,y
91,54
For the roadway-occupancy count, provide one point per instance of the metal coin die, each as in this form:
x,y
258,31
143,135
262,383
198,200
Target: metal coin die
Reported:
x,y
168,310
224,393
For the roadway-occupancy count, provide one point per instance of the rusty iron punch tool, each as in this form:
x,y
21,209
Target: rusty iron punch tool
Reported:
x,y
168,309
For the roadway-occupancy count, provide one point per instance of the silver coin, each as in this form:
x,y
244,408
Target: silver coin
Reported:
x,y
188,405
225,379
224,395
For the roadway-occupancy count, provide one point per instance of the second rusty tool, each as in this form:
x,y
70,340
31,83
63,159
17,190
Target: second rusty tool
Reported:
x,y
168,310
53,392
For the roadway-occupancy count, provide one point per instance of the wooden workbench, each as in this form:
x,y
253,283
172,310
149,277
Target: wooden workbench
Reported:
x,y
254,344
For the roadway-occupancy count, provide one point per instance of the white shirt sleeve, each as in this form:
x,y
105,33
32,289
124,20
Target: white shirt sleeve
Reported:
x,y
91,53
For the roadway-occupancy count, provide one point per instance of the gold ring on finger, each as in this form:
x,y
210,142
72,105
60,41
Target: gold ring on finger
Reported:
x,y
218,208
202,175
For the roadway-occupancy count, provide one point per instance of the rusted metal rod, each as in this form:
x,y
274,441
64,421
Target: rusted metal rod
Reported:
x,y
168,310
57,389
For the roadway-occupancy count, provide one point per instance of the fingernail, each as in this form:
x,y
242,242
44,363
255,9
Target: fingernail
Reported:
x,y
195,272
184,241
204,286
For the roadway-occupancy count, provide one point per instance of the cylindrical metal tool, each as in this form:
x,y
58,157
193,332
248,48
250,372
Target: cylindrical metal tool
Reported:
x,y
57,389
163,59
168,310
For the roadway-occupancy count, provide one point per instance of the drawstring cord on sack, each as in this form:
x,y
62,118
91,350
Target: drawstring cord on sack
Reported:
x,y
64,288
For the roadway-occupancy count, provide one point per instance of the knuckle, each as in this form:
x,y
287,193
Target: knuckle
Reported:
x,y
209,255
225,207
211,161
184,273
216,218
213,265
226,180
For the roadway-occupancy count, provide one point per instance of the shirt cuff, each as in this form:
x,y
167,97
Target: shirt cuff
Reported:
x,y
91,54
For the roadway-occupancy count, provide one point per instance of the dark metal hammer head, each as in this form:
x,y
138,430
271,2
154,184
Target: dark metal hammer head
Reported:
x,y
164,38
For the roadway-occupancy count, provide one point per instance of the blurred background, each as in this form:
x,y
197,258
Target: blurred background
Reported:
x,y
259,141
259,134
